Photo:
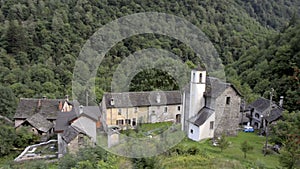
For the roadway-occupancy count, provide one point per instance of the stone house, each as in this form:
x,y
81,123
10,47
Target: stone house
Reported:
x,y
76,128
129,108
39,114
262,111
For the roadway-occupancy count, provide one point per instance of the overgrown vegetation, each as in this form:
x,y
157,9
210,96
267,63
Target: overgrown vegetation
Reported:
x,y
12,139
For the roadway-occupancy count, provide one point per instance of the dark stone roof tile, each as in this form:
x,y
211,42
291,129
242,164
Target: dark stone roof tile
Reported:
x,y
202,116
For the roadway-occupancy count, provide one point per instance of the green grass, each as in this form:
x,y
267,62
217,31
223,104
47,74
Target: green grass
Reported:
x,y
147,129
232,157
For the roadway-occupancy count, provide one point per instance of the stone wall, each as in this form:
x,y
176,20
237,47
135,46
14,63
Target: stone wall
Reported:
x,y
227,113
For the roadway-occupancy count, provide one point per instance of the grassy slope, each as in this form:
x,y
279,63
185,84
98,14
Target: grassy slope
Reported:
x,y
232,157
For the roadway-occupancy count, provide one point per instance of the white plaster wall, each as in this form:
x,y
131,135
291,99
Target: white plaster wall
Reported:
x,y
197,100
196,132
205,131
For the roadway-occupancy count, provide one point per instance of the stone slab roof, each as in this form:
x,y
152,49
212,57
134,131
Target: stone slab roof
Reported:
x,y
261,105
39,122
92,111
275,114
202,116
46,107
70,133
215,87
63,120
139,99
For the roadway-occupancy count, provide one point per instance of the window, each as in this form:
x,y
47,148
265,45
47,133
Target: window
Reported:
x,y
166,109
178,108
119,111
178,118
134,122
257,115
80,140
135,109
200,77
192,131
120,122
227,100
211,125
194,77
127,121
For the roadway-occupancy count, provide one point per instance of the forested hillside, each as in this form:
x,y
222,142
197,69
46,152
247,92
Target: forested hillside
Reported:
x,y
276,65
271,13
41,40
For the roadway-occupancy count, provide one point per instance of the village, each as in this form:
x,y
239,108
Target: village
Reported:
x,y
206,108
177,84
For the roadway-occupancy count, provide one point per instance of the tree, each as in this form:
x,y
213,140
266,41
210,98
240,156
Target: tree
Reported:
x,y
246,147
290,155
223,143
7,135
286,132
7,102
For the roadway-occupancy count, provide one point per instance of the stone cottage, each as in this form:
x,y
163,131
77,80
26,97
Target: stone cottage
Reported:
x,y
262,111
39,114
77,128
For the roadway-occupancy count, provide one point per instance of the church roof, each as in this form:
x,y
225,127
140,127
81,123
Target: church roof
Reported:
x,y
215,87
139,99
202,116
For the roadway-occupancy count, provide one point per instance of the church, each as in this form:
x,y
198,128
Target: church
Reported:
x,y
206,107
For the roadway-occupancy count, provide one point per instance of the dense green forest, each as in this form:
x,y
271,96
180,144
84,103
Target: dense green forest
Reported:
x,y
41,40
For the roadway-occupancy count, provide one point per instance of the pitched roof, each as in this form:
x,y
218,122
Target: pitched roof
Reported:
x,y
202,116
215,87
47,107
40,122
137,99
275,114
261,104
70,133
92,111
63,120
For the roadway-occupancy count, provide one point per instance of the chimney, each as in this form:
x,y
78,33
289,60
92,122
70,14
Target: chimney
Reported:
x,y
39,104
80,109
67,97
158,98
112,102
60,105
281,101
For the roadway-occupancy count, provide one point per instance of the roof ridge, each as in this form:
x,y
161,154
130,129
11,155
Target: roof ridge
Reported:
x,y
169,91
